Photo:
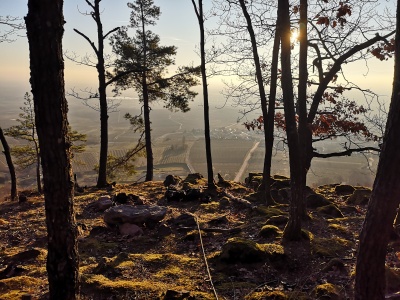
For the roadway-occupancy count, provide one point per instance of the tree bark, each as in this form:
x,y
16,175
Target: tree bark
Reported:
x,y
293,228
10,165
44,24
264,107
370,268
207,136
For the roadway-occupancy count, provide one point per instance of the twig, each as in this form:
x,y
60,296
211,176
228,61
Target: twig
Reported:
x,y
205,260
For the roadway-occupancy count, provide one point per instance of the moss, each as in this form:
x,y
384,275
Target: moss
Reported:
x,y
210,207
269,211
14,287
241,250
307,235
266,295
330,210
340,228
268,231
326,291
331,247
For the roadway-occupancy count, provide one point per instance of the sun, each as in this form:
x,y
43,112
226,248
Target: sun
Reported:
x,y
294,37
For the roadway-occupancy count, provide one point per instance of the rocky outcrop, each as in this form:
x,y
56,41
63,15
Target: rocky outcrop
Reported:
x,y
143,214
360,196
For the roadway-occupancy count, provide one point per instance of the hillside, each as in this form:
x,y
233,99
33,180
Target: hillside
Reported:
x,y
239,236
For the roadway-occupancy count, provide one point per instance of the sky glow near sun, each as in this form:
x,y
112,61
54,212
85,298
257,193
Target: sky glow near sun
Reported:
x,y
177,26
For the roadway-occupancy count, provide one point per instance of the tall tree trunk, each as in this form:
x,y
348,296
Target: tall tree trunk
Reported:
x,y
102,175
293,228
263,98
44,24
200,17
10,165
270,126
38,177
147,131
385,198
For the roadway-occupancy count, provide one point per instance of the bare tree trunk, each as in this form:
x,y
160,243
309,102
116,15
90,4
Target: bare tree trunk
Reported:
x,y
270,126
267,167
10,165
147,132
44,24
207,136
385,199
293,228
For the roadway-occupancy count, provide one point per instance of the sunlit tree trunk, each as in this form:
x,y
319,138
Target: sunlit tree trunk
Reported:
x,y
44,24
385,198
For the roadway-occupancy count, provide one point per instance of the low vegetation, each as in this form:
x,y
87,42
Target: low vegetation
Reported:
x,y
243,245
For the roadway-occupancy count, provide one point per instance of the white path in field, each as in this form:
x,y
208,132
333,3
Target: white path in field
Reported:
x,y
245,162
187,158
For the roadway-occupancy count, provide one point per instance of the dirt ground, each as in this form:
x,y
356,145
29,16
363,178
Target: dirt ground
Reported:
x,y
168,261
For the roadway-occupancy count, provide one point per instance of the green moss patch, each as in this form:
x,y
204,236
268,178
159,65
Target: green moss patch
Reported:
x,y
269,211
331,247
269,231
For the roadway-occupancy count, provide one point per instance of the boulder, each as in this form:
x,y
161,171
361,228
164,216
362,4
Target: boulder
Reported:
x,y
344,189
177,295
331,211
102,204
269,231
277,220
143,214
237,250
360,197
172,180
185,220
327,291
316,200
130,229
121,198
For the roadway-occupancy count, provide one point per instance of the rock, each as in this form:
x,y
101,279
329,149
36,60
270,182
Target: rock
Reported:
x,y
277,220
22,198
130,229
177,295
286,194
224,202
344,189
194,194
335,264
330,210
102,204
280,184
143,214
185,220
120,198
277,197
98,230
316,200
327,291
172,180
25,256
239,250
269,231
12,270
174,195
135,199
360,197
164,230
222,182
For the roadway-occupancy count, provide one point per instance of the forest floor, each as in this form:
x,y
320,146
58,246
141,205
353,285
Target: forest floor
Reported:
x,y
245,254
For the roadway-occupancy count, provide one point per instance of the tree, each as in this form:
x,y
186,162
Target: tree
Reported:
x,y
12,25
44,24
100,65
143,52
198,8
10,165
385,199
29,154
267,107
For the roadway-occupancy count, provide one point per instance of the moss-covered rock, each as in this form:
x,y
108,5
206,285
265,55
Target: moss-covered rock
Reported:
x,y
344,189
269,211
316,200
241,250
330,247
360,196
331,211
327,291
268,231
267,295
277,220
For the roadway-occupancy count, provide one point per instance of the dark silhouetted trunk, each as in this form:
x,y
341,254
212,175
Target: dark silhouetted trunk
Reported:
x,y
267,130
10,165
147,131
44,24
200,17
293,228
385,199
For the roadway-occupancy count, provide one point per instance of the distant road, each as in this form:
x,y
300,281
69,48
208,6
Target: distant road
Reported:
x,y
245,162
187,158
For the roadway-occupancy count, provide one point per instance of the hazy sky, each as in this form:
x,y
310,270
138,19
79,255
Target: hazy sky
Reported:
x,y
177,26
